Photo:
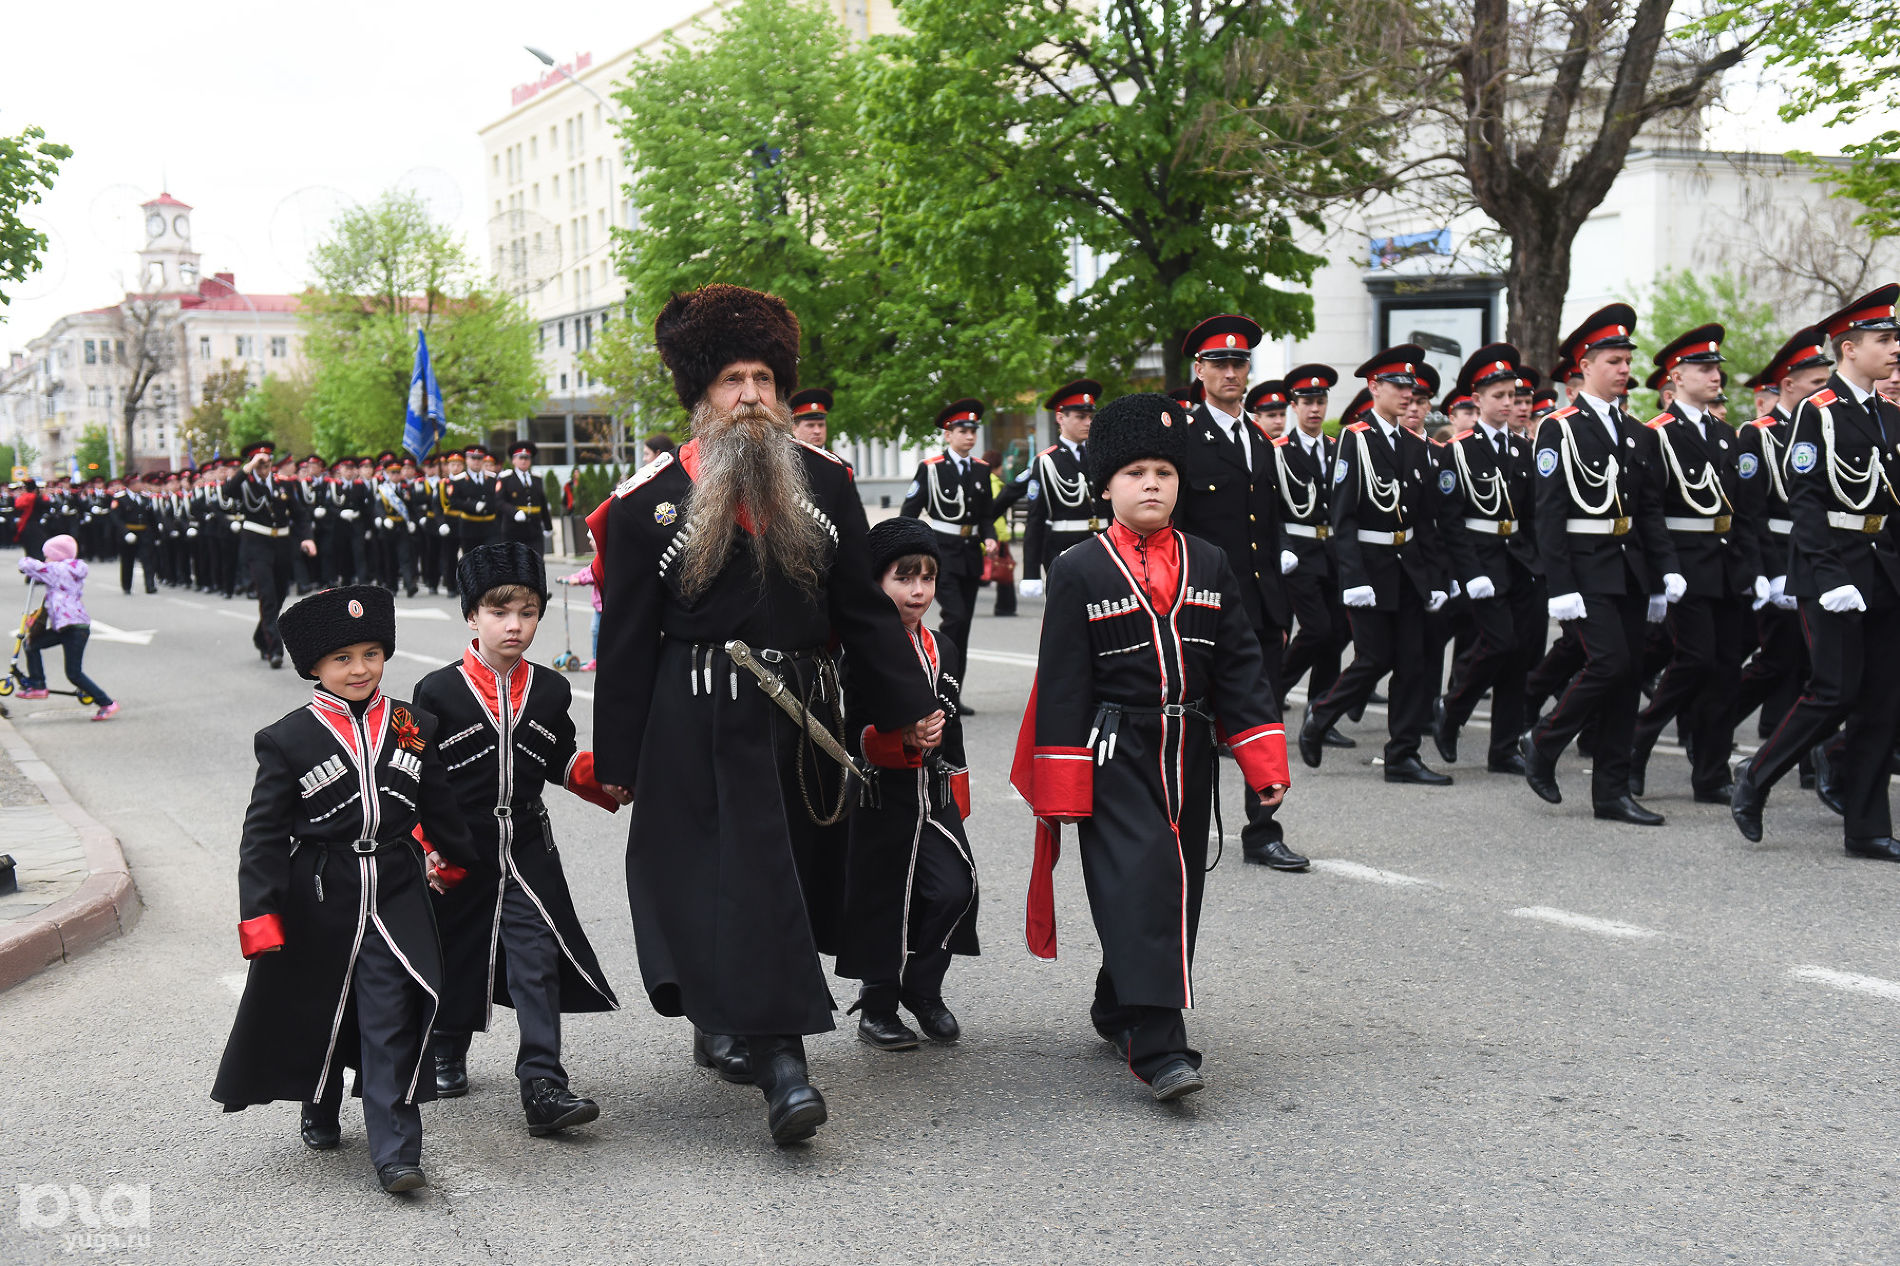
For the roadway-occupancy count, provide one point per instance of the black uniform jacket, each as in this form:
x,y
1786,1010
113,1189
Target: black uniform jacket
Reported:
x,y
1761,497
330,782
472,498
1573,460
1306,517
524,494
1385,488
1118,733
503,741
1489,522
912,794
1701,484
132,512
1230,505
1835,433
266,507
721,847
959,510
1063,510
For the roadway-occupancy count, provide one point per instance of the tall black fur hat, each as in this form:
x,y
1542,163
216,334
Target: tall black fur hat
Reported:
x,y
331,619
1149,424
499,563
703,331
895,538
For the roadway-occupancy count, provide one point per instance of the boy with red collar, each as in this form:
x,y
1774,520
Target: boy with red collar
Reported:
x,y
1148,660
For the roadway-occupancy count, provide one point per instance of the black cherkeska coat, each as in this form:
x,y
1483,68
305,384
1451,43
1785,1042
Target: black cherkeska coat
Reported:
x,y
328,777
501,747
1231,504
911,795
733,890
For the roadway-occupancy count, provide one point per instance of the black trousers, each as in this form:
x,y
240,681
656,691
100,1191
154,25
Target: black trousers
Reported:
x,y
1509,638
144,551
956,600
1395,642
1772,678
1154,1037
448,554
225,552
1611,637
532,959
388,1004
71,639
941,889
1563,661
398,559
429,553
1699,686
1263,823
1321,632
1855,683
266,563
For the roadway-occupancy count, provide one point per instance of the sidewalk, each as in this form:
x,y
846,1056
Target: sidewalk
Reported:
x,y
75,890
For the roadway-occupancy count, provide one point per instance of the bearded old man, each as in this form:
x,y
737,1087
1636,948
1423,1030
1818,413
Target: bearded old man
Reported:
x,y
742,533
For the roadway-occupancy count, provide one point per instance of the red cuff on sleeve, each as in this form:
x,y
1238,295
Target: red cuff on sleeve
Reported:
x,y
1261,753
960,792
581,781
1064,782
265,932
886,749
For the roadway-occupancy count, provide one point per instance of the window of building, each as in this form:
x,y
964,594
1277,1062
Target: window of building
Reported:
x,y
535,188
534,147
92,352
563,382
279,346
92,393
543,346
552,134
204,348
560,333
498,206
580,175
587,331
557,186
243,346
496,160
118,349
580,134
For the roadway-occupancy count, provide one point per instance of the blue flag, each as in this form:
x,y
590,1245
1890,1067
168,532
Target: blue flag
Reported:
x,y
422,423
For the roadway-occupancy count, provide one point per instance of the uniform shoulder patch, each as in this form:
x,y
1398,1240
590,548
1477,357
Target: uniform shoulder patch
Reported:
x,y
1658,422
1340,468
1447,482
1546,462
1764,422
1358,426
822,452
1045,452
1823,398
932,461
1804,457
1462,435
1568,410
1748,465
644,474
1282,441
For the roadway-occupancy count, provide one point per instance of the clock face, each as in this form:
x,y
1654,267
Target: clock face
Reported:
x,y
182,226
154,224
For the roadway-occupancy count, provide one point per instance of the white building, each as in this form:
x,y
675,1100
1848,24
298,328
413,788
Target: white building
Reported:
x,y
76,375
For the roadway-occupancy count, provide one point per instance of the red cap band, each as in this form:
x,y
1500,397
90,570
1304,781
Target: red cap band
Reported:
x,y
1076,402
957,419
1224,343
1693,349
1596,336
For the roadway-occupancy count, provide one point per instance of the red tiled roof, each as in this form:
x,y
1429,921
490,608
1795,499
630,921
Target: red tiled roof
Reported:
x,y
166,200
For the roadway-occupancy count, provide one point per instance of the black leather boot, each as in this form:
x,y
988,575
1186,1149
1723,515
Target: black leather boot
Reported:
x,y
723,1054
934,1020
885,1031
399,1176
793,1108
451,1065
320,1129
550,1106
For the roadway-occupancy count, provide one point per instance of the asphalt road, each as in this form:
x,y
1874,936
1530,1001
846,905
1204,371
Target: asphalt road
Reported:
x,y
1482,1030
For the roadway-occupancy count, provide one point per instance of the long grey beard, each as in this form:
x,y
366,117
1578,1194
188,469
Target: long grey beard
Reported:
x,y
747,459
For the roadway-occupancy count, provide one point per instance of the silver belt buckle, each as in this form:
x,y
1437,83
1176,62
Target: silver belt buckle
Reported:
x,y
504,811
1174,709
364,847
770,656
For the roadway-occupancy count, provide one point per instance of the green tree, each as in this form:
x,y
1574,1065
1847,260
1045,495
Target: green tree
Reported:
x,y
386,271
28,163
623,360
92,452
207,428
1678,301
276,409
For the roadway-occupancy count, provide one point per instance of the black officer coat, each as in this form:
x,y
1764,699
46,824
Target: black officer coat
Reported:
x,y
1761,496
1231,505
1306,489
1716,564
1488,488
1834,432
1409,499
939,496
527,496
1063,509
1633,561
472,498
269,503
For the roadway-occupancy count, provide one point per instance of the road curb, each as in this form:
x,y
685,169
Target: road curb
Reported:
x,y
106,905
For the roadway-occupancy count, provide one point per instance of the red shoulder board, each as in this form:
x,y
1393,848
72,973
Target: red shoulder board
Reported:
x,y
1358,426
1463,435
643,474
1283,441
1823,398
1764,422
932,461
1564,412
978,461
1438,444
1659,421
822,452
1045,452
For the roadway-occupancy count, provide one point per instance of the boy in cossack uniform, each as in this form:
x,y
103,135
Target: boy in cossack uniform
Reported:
x,y
1148,661
509,930
332,892
910,878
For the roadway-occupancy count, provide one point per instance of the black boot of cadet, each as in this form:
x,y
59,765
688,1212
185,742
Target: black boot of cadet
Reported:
x,y
793,1108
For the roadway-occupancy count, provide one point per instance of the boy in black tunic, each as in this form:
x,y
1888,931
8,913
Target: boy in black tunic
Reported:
x,y
331,891
1147,652
910,879
509,930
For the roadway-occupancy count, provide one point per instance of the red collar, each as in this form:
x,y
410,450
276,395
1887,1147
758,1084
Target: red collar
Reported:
x,y
486,682
339,716
1154,560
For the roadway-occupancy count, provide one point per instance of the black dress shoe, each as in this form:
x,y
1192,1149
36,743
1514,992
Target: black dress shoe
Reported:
x,y
1312,739
1876,848
965,710
1276,854
1334,738
550,1106
1443,736
1744,805
1723,794
886,1032
398,1177
724,1055
1825,786
319,1128
451,1065
277,659
793,1107
934,1020
1509,763
1625,809
1176,1080
1538,772
1414,770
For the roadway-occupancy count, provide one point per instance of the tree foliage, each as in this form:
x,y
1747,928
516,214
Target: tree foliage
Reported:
x,y
623,360
1679,300
207,428
93,452
278,410
386,271
28,163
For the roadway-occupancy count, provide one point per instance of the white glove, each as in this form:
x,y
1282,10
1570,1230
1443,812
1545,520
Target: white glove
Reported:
x,y
1481,588
191,531
521,516
131,537
412,529
1658,608
1454,589
1438,599
1763,593
1567,606
443,530
346,515
236,525
1846,598
1030,589
319,512
1360,596
1674,586
480,506
1779,595
1288,562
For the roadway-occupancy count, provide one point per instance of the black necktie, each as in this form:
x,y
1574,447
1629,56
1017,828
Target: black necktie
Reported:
x,y
1082,454
1504,449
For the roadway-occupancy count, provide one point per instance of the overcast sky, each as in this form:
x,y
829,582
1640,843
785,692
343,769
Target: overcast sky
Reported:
x,y
264,116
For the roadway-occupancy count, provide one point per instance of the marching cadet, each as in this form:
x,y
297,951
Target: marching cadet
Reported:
x,y
352,512
1265,404
1718,554
307,569
1124,745
135,523
523,500
509,931
1303,469
448,528
1386,496
951,493
345,967
426,517
1056,485
1227,498
910,878
1608,562
1524,400
326,521
476,499
1772,679
811,417
1845,571
1493,557
221,528
271,533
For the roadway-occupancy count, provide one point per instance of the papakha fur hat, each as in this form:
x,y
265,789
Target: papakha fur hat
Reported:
x,y
332,619
496,564
1148,424
703,331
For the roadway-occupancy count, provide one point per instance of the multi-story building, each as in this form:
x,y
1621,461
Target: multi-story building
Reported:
x,y
186,324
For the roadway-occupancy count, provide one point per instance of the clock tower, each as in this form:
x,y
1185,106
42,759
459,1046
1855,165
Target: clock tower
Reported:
x,y
167,264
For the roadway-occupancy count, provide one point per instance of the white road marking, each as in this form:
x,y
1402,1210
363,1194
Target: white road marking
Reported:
x,y
234,981
187,602
1013,658
419,657
1849,982
103,632
1585,923
423,613
249,617
1369,874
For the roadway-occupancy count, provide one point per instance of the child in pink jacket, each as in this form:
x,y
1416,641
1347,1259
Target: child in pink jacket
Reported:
x,y
67,624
